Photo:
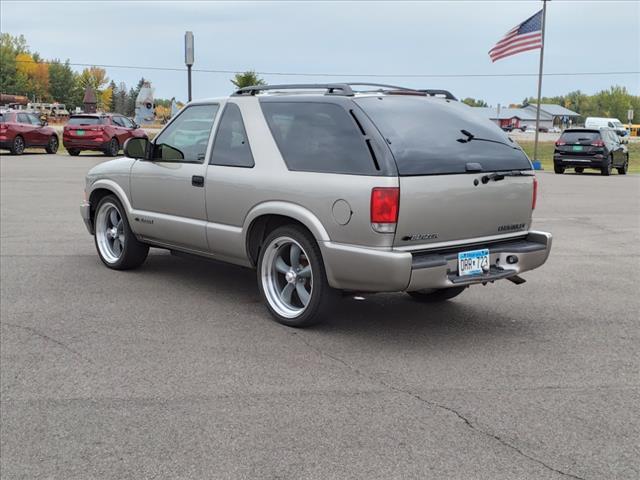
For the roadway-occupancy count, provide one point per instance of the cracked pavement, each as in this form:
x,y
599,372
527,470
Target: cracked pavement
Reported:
x,y
175,370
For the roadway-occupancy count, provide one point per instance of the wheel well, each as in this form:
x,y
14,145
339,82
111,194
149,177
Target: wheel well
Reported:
x,y
263,226
95,197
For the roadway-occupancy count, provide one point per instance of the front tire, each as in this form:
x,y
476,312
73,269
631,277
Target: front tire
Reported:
x,y
52,146
117,246
113,148
435,296
292,279
625,167
17,147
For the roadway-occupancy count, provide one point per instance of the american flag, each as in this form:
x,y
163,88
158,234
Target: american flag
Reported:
x,y
525,36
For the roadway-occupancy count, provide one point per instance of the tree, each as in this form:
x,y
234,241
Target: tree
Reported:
x,y
62,82
472,102
94,77
247,79
10,47
120,99
33,75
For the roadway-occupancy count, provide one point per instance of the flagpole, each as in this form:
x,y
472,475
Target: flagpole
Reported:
x,y
535,144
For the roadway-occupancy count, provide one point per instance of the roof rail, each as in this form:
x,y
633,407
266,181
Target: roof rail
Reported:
x,y
382,86
331,88
439,93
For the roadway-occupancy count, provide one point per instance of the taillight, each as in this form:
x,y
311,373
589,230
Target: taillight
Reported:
x,y
535,193
385,204
559,143
597,143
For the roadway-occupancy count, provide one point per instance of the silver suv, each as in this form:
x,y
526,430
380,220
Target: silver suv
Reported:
x,y
325,189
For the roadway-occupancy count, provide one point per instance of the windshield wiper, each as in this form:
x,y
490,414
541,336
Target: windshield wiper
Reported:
x,y
470,136
497,176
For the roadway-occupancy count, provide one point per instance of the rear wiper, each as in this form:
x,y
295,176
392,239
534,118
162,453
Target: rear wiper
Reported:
x,y
497,176
470,136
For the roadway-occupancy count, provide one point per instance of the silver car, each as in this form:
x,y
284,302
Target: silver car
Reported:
x,y
325,189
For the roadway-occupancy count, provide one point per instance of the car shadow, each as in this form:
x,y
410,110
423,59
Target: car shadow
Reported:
x,y
381,316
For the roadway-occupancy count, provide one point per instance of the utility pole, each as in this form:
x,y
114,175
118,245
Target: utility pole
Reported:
x,y
535,144
188,58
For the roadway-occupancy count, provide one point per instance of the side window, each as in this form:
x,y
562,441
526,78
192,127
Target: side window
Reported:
x,y
610,125
126,122
117,121
231,146
35,120
23,118
318,137
186,138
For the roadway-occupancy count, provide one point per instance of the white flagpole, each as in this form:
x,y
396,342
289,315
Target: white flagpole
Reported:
x,y
535,144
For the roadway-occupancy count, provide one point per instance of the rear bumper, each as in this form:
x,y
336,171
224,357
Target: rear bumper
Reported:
x,y
572,161
84,144
365,269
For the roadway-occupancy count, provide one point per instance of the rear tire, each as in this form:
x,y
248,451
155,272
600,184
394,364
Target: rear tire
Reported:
x,y
435,296
117,246
52,146
579,169
607,167
74,152
558,169
625,167
291,277
113,148
18,146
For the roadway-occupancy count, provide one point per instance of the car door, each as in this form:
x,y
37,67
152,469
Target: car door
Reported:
x,y
168,191
119,129
127,129
25,129
616,148
231,178
38,133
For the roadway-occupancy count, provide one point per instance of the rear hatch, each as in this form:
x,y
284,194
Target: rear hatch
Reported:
x,y
580,143
444,151
84,126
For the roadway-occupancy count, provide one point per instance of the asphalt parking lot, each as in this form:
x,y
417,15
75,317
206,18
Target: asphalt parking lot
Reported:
x,y
176,371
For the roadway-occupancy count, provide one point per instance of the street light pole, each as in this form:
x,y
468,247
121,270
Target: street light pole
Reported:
x,y
188,58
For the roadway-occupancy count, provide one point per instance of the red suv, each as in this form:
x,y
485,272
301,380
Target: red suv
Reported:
x,y
103,132
20,130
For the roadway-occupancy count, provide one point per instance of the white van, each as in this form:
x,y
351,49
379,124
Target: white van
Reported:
x,y
601,122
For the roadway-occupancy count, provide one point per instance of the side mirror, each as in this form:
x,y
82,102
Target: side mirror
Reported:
x,y
137,147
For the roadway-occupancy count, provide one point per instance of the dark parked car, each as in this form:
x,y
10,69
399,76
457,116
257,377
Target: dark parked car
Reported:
x,y
99,132
20,130
581,148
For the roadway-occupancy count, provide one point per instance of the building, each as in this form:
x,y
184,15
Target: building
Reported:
x,y
90,100
561,116
515,117
522,118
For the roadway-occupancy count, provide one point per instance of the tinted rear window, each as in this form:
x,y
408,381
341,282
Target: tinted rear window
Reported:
x,y
85,121
580,137
424,134
318,137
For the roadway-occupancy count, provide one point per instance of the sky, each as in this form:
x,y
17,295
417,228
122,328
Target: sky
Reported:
x,y
351,41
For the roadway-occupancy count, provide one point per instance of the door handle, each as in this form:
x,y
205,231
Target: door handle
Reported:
x,y
197,181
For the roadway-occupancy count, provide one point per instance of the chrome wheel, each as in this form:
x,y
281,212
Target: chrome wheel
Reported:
x,y
53,145
18,145
110,232
287,278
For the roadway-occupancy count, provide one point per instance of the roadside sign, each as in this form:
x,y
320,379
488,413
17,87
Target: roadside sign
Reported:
x,y
188,48
630,114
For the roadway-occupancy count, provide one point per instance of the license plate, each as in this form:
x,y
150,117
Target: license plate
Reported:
x,y
79,132
577,148
473,262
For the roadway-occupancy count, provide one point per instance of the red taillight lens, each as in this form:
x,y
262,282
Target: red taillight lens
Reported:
x,y
535,193
385,204
597,143
559,143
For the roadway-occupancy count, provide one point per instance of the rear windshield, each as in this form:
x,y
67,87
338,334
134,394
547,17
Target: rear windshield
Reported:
x,y
85,121
580,136
425,136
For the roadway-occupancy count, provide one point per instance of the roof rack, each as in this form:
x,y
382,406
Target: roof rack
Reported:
x,y
382,86
438,93
331,88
